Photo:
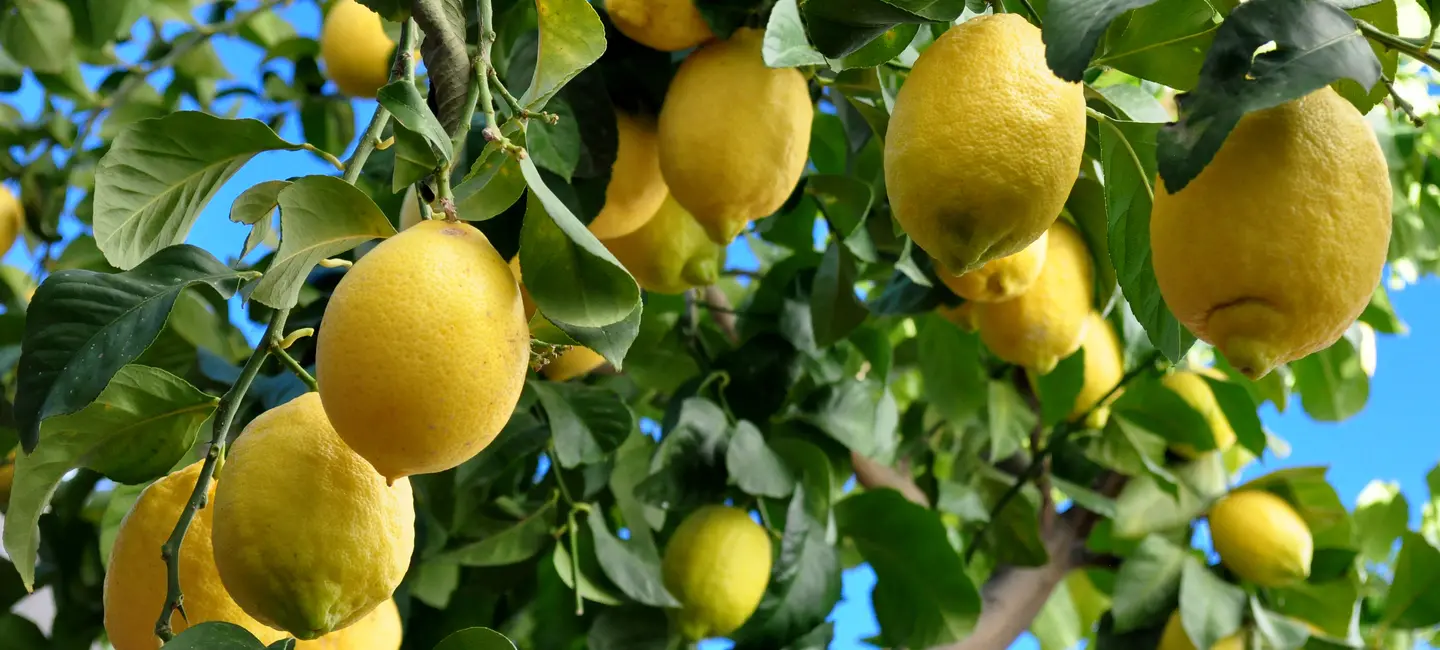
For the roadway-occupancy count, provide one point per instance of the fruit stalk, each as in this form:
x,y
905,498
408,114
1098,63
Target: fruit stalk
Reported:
x,y
483,70
277,348
1418,51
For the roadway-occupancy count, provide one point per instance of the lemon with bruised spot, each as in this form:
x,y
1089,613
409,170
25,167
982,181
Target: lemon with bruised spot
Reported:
x,y
729,162
670,253
963,173
1001,279
1192,387
665,25
308,537
1173,637
1047,322
1275,248
379,630
636,188
355,49
423,349
717,564
12,219
1261,538
136,580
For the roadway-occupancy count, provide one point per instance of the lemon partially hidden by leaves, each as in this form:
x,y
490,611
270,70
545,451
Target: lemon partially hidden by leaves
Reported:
x,y
670,253
1104,367
967,185
12,219
636,188
423,349
665,25
728,161
7,480
1261,538
574,362
308,537
135,582
356,51
1003,278
1173,637
1276,247
1196,392
962,315
1047,322
717,565
379,630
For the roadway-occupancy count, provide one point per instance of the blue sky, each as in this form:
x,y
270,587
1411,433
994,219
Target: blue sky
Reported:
x,y
1389,440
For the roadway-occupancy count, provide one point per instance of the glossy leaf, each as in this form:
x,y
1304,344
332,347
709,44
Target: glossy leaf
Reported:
x,y
637,575
493,184
950,365
804,583
408,108
586,422
1164,41
517,543
1073,28
835,311
447,61
840,27
754,466
571,38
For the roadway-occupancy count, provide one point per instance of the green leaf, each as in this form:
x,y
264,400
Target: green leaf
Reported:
x,y
814,472
835,311
1381,516
1315,43
1146,506
433,582
785,43
950,366
122,498
493,184
841,27
804,583
556,147
201,62
638,576
159,174
1239,410
513,545
586,422
329,123
1210,608
1279,632
1332,383
408,108
1073,28
688,469
1307,490
1010,419
106,20
1159,410
1329,605
83,327
143,103
629,628
845,202
571,277
1086,204
254,207
447,61
39,34
632,465
21,633
592,585
1164,42
476,638
1059,388
414,159
754,467
215,635
1414,598
1127,157
265,29
1148,583
1380,314
923,597
611,341
140,426
320,217
861,414
571,38
1383,15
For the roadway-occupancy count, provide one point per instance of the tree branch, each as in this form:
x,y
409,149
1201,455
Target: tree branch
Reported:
x,y
873,475
718,304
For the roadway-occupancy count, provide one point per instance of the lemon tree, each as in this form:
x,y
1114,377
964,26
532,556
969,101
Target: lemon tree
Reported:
x,y
987,295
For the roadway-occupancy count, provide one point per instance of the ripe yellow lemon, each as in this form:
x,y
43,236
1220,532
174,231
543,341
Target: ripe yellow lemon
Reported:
x,y
572,363
670,253
379,630
1047,322
135,582
717,565
1193,388
666,25
423,349
1174,638
636,188
526,303
7,481
1002,278
727,161
965,175
356,51
1275,248
1104,367
308,537
12,221
1261,538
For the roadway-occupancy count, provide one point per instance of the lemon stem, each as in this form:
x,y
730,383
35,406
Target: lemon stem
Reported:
x,y
1420,51
277,349
1058,435
515,108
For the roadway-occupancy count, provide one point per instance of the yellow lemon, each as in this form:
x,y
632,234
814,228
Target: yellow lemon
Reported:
x,y
12,222
1193,388
572,363
308,537
670,253
636,188
666,25
717,565
1002,278
379,630
7,480
1047,322
135,582
1261,538
1104,367
423,349
965,175
729,161
1174,638
1275,248
356,51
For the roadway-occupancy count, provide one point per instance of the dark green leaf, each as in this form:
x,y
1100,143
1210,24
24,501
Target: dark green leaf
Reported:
x,y
1059,388
1414,598
1384,16
688,469
804,583
1210,608
571,38
840,27
1159,410
611,341
586,422
1107,637
433,582
632,465
1073,28
814,472
882,49
1315,43
328,123
447,61
414,159
1148,583
476,638
1239,410
923,596
1329,605
556,147
216,635
1332,383
835,310
493,184
593,585
754,467
283,644
630,628
1164,42
405,104
860,414
637,575
84,326
1380,315
845,202
950,366
517,543
255,207
320,217
39,34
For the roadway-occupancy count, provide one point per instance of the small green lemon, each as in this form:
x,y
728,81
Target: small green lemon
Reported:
x,y
717,565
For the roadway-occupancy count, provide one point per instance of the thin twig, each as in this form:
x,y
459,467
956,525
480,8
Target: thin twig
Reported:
x,y
1401,104
1415,50
293,365
515,108
482,69
329,157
